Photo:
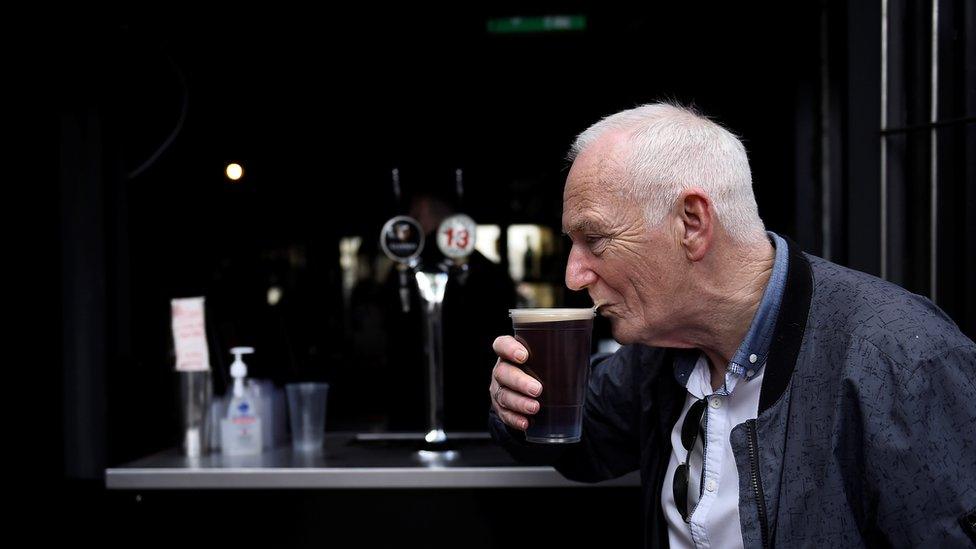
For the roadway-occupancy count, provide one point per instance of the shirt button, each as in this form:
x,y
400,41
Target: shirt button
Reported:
x,y
753,359
711,485
715,402
750,373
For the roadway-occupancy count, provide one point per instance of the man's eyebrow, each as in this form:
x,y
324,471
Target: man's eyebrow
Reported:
x,y
578,226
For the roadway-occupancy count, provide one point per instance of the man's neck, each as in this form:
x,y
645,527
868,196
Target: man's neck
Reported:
x,y
728,296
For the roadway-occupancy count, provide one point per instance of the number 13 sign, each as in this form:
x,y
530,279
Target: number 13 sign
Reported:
x,y
456,236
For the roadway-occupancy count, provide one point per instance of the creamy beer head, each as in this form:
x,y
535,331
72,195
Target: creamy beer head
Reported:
x,y
532,316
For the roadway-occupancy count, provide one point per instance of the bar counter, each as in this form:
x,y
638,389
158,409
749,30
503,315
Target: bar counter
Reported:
x,y
348,461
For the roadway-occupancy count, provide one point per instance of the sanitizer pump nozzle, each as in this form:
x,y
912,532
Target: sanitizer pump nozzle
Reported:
x,y
238,370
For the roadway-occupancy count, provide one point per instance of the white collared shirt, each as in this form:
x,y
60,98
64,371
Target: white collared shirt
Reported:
x,y
715,519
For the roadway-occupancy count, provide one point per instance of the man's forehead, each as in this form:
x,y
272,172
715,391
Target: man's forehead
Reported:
x,y
588,198
599,167
583,210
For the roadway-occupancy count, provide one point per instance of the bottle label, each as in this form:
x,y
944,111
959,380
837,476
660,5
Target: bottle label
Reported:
x,y
240,439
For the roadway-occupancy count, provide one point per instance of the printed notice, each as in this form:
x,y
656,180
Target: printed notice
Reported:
x,y
190,335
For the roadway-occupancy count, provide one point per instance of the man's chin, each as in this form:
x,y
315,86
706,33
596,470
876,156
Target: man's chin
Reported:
x,y
620,334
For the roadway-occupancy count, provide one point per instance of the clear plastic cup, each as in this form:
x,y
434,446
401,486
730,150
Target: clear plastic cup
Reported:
x,y
558,341
306,412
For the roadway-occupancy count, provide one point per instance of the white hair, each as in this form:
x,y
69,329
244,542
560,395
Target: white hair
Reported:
x,y
671,149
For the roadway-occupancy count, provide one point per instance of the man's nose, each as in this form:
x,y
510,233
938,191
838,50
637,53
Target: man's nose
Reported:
x,y
578,273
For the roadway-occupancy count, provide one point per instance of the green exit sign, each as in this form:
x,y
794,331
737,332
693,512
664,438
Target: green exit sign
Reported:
x,y
546,23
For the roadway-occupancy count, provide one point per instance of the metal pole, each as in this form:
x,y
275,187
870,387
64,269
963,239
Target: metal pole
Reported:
x,y
825,134
884,139
432,287
933,157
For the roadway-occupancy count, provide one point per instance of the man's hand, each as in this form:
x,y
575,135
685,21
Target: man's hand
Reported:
x,y
512,390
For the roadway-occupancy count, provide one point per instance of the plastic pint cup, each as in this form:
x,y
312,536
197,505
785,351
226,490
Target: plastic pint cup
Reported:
x,y
306,409
558,341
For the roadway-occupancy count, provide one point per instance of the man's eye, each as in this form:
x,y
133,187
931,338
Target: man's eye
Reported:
x,y
596,242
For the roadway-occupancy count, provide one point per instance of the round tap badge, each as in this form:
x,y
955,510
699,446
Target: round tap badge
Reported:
x,y
402,239
456,236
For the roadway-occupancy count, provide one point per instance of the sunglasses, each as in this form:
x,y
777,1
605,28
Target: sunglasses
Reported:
x,y
692,427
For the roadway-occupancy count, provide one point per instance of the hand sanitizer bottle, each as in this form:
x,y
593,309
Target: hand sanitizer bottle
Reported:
x,y
241,429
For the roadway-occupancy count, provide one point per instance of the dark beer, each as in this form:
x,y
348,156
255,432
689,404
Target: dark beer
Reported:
x,y
558,341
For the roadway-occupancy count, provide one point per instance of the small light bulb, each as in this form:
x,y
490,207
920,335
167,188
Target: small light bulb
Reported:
x,y
274,295
234,171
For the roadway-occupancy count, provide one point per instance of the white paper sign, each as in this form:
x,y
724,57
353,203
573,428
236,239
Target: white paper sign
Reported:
x,y
190,335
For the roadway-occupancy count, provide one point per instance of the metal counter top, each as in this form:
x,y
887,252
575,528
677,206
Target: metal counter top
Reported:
x,y
348,461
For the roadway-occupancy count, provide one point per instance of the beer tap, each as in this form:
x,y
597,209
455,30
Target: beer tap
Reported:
x,y
456,236
402,240
406,260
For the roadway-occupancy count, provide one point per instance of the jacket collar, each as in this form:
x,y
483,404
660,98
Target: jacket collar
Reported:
x,y
790,327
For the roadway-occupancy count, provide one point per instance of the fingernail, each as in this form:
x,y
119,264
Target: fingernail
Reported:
x,y
534,407
520,355
524,424
535,389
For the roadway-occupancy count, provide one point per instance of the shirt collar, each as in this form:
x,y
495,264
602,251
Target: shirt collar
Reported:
x,y
752,352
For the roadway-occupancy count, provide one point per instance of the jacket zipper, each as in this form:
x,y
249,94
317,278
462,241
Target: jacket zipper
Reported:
x,y
757,481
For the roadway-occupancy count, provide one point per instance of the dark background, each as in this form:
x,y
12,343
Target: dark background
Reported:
x,y
320,106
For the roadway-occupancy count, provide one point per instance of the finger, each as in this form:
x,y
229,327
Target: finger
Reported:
x,y
515,402
510,349
512,377
512,419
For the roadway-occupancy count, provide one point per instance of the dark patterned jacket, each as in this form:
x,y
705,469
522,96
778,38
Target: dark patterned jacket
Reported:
x,y
865,434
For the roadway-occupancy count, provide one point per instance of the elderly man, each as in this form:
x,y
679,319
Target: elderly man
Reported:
x,y
768,397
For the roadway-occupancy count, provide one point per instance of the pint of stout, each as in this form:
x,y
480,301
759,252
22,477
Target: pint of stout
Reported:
x,y
558,341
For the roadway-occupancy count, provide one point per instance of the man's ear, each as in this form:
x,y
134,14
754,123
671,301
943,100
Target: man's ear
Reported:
x,y
696,223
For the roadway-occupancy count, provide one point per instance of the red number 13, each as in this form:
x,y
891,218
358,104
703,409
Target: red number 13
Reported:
x,y
462,240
